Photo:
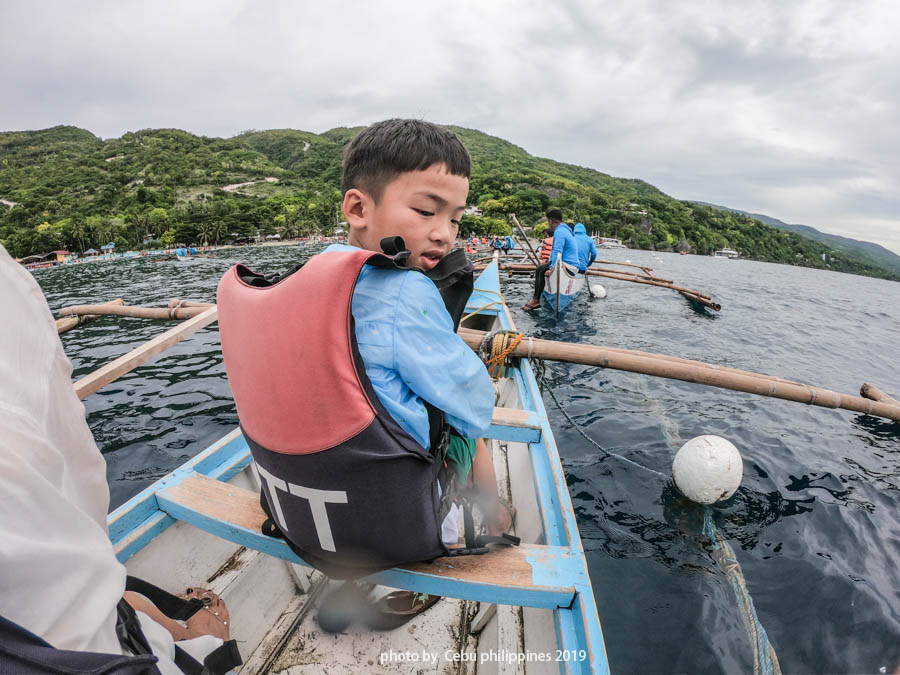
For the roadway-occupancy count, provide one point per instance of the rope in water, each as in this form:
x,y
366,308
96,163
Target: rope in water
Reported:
x,y
765,661
590,440
496,349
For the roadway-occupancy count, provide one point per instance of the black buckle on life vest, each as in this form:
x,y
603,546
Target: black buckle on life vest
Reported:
x,y
395,247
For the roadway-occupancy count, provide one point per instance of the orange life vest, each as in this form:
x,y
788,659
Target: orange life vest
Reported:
x,y
546,247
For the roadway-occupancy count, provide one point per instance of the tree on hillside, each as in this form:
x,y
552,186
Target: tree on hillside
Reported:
x,y
159,221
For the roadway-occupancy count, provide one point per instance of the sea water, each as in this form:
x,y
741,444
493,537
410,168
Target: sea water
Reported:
x,y
815,526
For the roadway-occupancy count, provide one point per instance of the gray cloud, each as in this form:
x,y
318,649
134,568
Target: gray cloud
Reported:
x,y
789,109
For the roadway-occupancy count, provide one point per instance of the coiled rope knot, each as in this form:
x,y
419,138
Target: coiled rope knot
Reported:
x,y
496,348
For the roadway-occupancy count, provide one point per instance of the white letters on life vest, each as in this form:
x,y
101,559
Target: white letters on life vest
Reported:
x,y
317,500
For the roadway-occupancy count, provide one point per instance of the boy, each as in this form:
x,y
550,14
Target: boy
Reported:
x,y
564,243
410,178
345,423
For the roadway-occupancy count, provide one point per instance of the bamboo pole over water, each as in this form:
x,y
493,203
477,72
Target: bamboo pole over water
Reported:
x,y
67,323
872,392
98,379
134,312
534,256
175,302
646,269
528,267
651,364
689,293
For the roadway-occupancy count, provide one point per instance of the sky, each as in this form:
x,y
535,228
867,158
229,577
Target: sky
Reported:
x,y
790,109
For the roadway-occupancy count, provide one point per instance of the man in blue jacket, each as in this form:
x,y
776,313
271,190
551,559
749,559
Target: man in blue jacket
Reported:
x,y
563,244
587,249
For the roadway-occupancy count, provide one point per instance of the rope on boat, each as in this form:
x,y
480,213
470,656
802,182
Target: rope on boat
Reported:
x,y
499,301
495,350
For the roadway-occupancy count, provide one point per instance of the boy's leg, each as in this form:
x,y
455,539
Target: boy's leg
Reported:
x,y
485,480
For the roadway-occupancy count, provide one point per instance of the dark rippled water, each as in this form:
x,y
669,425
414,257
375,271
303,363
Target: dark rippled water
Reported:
x,y
815,525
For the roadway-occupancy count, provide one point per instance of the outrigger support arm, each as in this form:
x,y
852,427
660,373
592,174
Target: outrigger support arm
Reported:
x,y
690,371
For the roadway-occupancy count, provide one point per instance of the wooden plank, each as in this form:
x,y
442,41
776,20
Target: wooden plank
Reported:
x,y
513,417
537,576
88,384
512,424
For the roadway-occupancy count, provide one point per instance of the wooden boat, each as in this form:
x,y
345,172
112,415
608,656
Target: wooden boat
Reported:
x,y
528,608
562,286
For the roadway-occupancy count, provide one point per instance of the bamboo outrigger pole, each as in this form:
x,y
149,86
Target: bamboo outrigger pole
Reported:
x,y
878,403
534,256
115,369
183,312
872,392
650,280
67,323
676,369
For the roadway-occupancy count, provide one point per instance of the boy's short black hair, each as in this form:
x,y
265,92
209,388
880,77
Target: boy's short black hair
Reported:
x,y
386,149
554,215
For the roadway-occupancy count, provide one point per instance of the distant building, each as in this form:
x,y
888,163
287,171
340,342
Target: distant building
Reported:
x,y
473,211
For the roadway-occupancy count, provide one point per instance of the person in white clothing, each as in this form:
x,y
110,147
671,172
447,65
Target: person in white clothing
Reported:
x,y
59,576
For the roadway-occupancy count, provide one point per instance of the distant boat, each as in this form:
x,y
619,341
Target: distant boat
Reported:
x,y
562,286
727,253
184,254
608,242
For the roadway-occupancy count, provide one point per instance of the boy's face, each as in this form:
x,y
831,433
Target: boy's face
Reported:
x,y
423,207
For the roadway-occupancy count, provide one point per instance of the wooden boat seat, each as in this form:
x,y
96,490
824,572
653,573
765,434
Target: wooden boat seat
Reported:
x,y
527,575
513,424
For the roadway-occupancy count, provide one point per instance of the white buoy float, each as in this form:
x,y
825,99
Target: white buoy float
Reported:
x,y
598,291
708,469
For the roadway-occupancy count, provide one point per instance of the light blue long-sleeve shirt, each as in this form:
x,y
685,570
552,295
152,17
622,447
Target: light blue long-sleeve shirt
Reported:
x,y
587,249
406,339
564,242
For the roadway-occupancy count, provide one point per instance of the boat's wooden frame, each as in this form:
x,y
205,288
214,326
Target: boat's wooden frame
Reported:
x,y
200,525
562,286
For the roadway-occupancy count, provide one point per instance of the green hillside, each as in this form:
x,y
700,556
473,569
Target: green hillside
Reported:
x,y
876,253
74,190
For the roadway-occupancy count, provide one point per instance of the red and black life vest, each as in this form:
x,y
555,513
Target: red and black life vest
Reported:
x,y
349,489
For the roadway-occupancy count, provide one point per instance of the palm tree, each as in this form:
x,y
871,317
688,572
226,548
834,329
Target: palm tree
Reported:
x,y
288,231
78,233
217,231
204,232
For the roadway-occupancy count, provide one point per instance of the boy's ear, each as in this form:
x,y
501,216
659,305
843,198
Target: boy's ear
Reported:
x,y
356,207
